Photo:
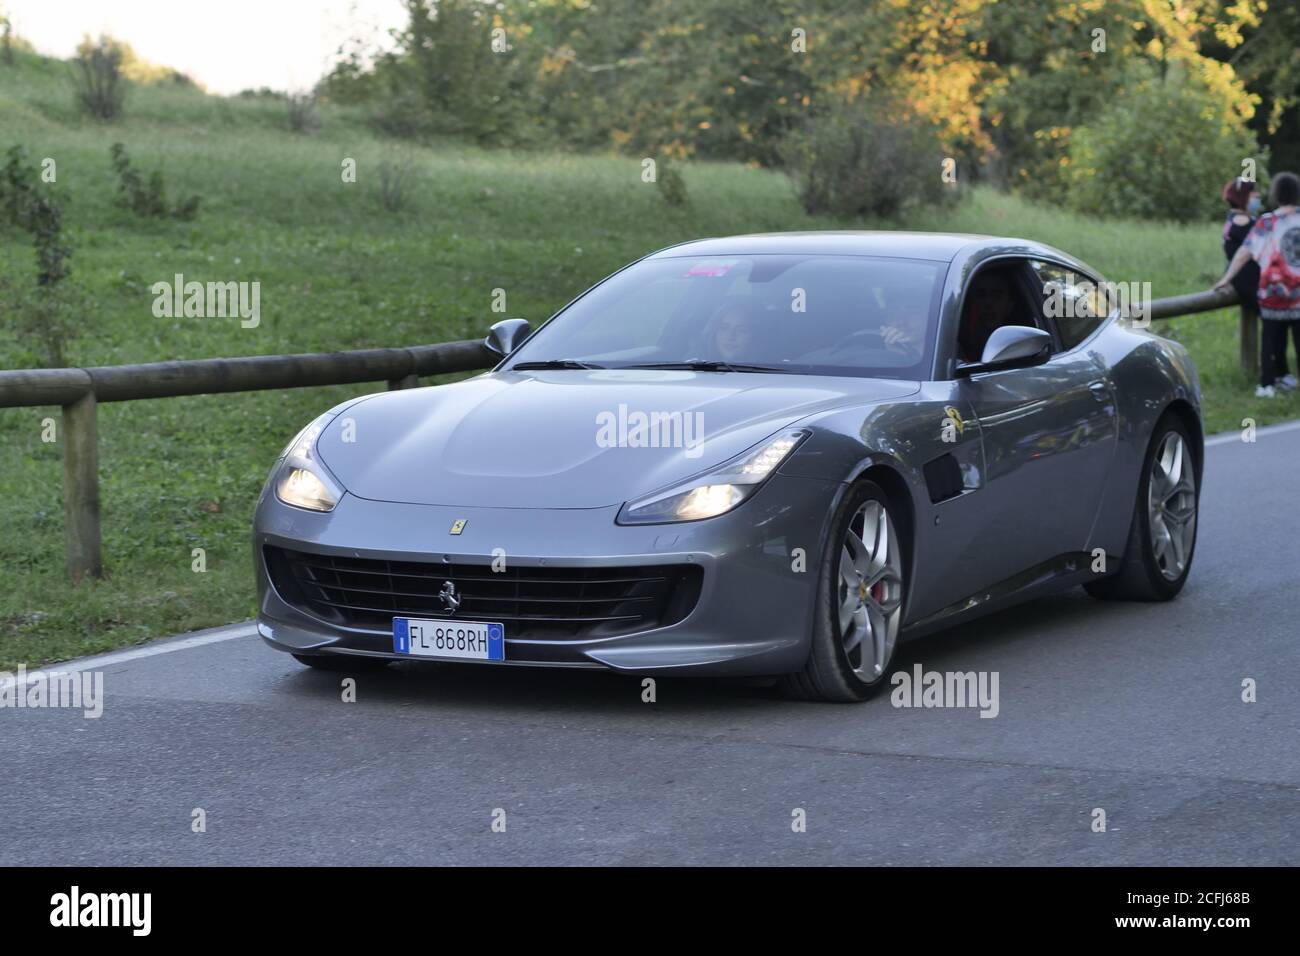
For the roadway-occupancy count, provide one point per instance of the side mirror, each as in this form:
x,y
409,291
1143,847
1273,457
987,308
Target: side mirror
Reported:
x,y
1011,346
507,335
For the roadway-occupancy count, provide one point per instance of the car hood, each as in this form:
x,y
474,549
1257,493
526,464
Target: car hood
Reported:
x,y
568,438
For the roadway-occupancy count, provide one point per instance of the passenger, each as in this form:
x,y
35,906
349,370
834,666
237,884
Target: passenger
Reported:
x,y
733,335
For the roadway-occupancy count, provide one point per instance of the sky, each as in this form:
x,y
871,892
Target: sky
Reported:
x,y
226,45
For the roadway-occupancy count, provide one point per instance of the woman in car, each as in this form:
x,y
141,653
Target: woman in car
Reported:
x,y
732,335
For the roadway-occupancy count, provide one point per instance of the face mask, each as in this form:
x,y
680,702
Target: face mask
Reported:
x,y
1254,205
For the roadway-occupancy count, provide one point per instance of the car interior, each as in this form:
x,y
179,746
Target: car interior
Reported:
x,y
838,324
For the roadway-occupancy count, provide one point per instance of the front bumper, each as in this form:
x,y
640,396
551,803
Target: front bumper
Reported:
x,y
753,616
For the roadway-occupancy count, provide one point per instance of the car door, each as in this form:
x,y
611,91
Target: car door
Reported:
x,y
1049,433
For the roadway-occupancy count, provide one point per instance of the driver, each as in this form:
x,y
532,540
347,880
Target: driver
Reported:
x,y
990,304
903,320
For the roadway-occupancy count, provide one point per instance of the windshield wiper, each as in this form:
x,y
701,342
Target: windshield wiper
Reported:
x,y
702,366
553,363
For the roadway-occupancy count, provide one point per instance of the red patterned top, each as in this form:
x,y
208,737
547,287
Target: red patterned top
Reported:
x,y
1274,243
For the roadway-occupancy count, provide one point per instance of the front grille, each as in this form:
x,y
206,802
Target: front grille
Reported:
x,y
537,602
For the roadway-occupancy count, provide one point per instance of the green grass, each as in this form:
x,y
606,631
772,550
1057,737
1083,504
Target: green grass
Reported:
x,y
338,272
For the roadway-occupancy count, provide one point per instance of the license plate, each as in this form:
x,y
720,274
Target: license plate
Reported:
x,y
453,640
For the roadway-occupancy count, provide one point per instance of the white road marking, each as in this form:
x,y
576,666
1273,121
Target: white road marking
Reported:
x,y
165,646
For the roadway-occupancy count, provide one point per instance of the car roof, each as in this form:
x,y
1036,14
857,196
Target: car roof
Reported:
x,y
934,246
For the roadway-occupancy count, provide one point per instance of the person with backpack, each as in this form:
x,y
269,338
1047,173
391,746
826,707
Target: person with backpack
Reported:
x,y
1273,243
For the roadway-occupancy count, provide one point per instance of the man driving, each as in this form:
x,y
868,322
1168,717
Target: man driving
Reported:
x,y
990,304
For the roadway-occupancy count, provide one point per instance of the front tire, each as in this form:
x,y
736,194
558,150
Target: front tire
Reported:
x,y
1162,537
859,603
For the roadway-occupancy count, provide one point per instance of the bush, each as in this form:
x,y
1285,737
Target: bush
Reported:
x,y
52,250
867,157
300,112
16,188
42,320
147,198
1161,150
400,114
396,177
97,76
670,183
40,314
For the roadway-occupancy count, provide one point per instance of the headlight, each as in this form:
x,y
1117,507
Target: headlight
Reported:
x,y
717,492
302,481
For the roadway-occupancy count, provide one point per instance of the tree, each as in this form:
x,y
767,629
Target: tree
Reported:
x,y
1161,150
6,39
97,73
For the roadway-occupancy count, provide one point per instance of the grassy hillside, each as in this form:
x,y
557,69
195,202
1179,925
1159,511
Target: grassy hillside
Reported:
x,y
337,271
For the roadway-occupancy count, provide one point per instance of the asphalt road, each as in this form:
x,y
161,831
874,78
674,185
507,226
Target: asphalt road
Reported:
x,y
1134,709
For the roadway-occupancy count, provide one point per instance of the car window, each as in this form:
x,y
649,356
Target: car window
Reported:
x,y
994,297
813,314
644,318
1072,301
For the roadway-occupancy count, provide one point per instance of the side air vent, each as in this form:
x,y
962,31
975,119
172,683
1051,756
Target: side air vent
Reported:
x,y
943,478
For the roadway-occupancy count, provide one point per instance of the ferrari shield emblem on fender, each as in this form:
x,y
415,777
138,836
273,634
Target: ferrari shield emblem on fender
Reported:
x,y
458,526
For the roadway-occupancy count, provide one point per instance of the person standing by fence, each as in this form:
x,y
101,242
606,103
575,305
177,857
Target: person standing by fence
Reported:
x,y
1244,204
1273,243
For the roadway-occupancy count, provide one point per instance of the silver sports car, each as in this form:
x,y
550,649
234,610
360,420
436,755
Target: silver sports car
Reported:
x,y
765,455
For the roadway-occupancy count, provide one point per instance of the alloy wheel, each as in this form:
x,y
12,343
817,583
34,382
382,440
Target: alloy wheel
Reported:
x,y
870,591
1171,506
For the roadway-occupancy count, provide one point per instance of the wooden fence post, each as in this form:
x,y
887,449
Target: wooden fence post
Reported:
x,y
81,488
1250,342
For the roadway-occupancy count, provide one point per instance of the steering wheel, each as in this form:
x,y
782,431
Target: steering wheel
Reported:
x,y
856,337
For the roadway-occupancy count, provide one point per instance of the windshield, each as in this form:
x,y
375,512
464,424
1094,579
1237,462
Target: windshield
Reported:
x,y
821,315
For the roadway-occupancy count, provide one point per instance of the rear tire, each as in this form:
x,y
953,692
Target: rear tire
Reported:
x,y
859,606
1162,537
341,662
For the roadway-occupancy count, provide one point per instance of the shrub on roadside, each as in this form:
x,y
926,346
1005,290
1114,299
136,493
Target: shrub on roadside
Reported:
x,y
147,198
866,157
1160,150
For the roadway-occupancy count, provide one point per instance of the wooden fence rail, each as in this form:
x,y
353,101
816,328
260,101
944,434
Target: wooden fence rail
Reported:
x,y
80,390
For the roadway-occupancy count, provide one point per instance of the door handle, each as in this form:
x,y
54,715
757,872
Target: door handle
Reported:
x,y
1099,391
